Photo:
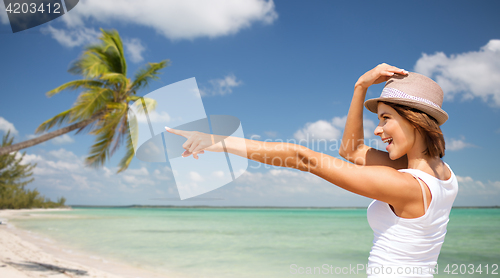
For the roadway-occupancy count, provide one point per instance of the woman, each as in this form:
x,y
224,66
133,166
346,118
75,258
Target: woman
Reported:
x,y
412,188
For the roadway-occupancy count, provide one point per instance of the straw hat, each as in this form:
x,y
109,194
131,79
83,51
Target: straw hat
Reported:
x,y
412,90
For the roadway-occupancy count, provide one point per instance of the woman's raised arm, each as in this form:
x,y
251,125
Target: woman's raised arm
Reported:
x,y
353,148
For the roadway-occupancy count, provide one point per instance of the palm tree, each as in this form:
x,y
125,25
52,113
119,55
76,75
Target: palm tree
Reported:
x,y
102,108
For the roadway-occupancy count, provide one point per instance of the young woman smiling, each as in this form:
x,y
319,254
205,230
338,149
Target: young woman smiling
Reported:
x,y
412,188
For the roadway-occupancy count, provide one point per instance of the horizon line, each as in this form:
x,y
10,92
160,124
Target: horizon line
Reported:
x,y
261,207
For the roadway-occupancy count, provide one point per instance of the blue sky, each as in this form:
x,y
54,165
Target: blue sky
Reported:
x,y
284,68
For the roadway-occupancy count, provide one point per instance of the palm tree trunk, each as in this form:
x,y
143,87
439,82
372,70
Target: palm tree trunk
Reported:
x,y
48,136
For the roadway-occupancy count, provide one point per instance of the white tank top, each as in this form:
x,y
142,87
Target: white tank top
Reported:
x,y
410,247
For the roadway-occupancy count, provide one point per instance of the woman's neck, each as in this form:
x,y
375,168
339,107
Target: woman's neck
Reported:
x,y
431,165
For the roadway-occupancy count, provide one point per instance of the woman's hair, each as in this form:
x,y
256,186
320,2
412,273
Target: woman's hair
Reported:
x,y
426,125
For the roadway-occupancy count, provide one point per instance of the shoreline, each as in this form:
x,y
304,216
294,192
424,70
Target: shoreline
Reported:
x,y
26,254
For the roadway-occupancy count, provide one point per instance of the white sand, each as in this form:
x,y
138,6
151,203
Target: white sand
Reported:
x,y
24,254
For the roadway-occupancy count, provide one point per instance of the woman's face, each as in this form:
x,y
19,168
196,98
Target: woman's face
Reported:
x,y
394,130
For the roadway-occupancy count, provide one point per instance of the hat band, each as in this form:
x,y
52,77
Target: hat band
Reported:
x,y
395,93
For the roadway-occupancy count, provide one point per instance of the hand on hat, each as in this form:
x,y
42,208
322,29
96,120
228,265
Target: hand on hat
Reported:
x,y
197,142
379,74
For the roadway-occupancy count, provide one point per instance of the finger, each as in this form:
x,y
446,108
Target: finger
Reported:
x,y
397,70
183,133
195,155
198,149
187,153
188,143
387,73
193,146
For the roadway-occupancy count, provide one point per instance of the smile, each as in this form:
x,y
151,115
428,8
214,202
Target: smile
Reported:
x,y
387,140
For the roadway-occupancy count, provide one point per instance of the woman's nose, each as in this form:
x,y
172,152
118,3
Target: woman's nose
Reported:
x,y
378,131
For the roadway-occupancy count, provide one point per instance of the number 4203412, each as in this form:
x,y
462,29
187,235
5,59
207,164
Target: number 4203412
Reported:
x,y
17,8
471,269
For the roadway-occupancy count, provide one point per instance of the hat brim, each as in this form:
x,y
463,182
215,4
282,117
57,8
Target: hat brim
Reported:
x,y
437,113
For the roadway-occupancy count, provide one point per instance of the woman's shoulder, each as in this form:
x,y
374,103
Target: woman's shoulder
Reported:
x,y
442,173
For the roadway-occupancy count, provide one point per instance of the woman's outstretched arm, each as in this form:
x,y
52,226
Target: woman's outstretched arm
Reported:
x,y
352,147
377,182
273,153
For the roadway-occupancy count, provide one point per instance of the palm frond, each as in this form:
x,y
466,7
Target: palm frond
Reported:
x,y
111,119
91,64
106,133
56,120
133,127
113,44
132,98
99,152
129,155
115,78
90,102
146,74
122,132
74,85
102,58
150,104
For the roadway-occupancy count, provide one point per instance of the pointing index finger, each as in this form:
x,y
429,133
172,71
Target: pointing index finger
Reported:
x,y
175,131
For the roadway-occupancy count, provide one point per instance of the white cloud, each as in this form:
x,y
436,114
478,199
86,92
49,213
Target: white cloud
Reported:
x,y
138,172
63,154
195,176
369,128
82,182
29,158
163,173
135,182
59,140
221,86
63,170
318,130
468,185
62,139
134,48
69,166
6,126
218,174
332,130
457,144
74,37
187,19
155,117
277,182
81,35
339,121
470,74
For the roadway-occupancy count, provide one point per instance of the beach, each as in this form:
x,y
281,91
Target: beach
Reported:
x,y
24,254
216,242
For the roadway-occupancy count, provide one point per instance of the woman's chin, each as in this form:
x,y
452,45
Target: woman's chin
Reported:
x,y
394,156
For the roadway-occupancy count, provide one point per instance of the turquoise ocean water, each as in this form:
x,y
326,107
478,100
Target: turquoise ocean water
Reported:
x,y
255,242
